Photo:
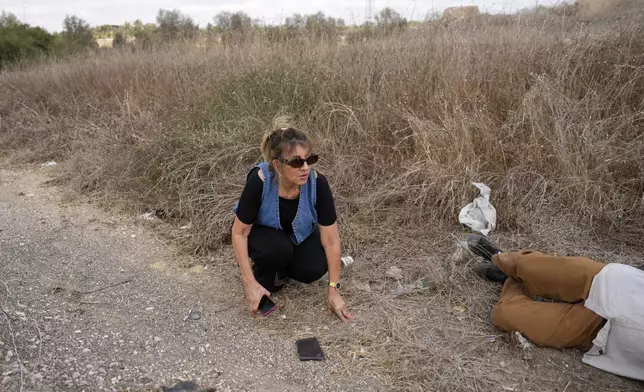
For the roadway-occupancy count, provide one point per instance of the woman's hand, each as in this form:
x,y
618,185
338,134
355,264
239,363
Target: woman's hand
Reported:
x,y
254,294
337,305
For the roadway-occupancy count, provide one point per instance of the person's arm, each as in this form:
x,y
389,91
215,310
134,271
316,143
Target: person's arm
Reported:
x,y
247,210
331,243
330,237
254,291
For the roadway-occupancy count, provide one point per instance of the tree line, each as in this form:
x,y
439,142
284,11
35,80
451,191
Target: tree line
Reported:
x,y
18,40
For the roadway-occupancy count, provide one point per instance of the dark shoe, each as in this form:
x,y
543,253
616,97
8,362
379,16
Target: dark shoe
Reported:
x,y
272,283
490,272
481,246
281,280
640,267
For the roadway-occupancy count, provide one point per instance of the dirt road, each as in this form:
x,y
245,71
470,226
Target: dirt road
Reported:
x,y
98,303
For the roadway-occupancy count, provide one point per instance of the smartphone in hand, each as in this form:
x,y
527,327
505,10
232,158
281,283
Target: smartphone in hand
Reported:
x,y
266,306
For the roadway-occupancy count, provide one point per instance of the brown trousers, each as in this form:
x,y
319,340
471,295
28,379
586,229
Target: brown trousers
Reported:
x,y
552,324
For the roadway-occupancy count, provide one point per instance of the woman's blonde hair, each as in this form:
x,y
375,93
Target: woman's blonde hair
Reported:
x,y
282,137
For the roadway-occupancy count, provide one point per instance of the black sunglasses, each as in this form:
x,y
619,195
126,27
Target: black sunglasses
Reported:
x,y
298,162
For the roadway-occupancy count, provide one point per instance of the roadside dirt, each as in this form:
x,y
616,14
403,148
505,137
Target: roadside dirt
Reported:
x,y
95,302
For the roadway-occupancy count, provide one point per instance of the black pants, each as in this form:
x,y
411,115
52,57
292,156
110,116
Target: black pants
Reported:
x,y
274,253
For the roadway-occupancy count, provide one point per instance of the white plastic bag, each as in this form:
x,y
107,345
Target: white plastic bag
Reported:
x,y
479,215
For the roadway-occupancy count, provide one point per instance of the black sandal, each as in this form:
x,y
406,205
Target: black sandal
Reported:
x,y
481,246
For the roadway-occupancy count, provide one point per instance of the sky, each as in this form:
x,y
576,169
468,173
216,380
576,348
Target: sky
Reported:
x,y
50,13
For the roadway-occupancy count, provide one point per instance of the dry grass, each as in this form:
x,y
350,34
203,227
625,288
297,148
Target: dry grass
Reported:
x,y
546,110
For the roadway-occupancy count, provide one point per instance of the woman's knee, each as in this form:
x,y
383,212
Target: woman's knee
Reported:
x,y
310,269
266,244
311,274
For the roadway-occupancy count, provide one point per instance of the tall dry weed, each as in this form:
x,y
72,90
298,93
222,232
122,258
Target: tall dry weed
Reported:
x,y
548,112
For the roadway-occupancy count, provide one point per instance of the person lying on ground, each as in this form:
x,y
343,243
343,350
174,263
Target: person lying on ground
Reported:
x,y
600,306
285,222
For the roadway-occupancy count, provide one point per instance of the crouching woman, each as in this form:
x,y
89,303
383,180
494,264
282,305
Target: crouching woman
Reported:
x,y
285,222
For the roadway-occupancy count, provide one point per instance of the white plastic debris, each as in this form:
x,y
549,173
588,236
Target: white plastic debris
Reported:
x,y
522,341
479,215
347,261
402,289
49,164
147,216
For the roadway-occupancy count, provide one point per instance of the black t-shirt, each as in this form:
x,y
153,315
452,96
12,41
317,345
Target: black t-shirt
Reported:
x,y
251,200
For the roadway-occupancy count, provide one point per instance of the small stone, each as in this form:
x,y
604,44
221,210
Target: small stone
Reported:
x,y
133,236
460,309
78,331
194,315
394,272
22,244
157,339
159,266
86,350
197,269
149,309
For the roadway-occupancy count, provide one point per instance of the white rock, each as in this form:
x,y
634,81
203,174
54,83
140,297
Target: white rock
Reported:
x,y
394,272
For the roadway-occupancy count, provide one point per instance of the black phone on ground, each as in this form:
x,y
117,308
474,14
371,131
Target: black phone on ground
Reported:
x,y
309,350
